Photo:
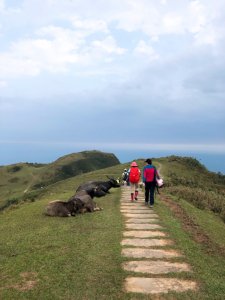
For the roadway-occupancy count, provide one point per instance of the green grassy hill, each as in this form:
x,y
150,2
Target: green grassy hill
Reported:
x,y
80,257
187,179
24,181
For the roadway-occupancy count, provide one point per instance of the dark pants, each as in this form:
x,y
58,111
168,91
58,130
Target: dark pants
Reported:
x,y
149,188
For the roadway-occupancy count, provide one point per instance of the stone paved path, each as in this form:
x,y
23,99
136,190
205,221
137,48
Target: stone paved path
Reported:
x,y
147,249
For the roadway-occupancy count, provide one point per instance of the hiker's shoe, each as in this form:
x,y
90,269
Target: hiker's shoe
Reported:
x,y
136,198
151,205
136,195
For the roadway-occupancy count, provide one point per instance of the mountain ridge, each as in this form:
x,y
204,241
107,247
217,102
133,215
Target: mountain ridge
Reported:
x,y
26,180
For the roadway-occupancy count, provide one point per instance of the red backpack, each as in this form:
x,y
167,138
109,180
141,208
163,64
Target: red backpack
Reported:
x,y
134,176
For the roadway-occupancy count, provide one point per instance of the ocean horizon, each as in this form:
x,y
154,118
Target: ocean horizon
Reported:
x,y
214,162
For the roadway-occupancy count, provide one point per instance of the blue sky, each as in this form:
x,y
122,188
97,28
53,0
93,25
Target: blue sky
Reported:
x,y
111,75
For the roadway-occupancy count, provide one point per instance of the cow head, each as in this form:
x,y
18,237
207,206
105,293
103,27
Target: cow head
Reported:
x,y
114,182
76,205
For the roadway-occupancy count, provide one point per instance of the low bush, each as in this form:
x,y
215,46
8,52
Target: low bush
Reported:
x,y
202,199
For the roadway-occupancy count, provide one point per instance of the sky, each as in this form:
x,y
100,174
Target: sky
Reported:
x,y
115,76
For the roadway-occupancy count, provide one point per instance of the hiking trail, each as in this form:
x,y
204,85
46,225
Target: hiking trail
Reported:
x,y
147,249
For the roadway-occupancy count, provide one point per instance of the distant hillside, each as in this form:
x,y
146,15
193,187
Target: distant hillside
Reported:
x,y
75,164
186,178
26,179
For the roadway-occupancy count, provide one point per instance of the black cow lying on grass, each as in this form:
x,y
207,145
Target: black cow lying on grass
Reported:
x,y
105,186
82,201
86,197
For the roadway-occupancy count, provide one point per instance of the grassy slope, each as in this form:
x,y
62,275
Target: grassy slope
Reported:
x,y
62,254
201,237
25,181
187,179
208,266
80,258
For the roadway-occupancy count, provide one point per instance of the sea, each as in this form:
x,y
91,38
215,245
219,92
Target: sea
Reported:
x,y
214,162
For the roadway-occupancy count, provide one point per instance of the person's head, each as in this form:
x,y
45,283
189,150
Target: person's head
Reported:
x,y
125,170
148,161
134,164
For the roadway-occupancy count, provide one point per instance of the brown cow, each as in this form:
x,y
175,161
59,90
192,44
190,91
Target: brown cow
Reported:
x,y
60,208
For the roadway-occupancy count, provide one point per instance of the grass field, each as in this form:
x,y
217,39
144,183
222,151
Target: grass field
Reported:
x,y
205,256
25,181
80,257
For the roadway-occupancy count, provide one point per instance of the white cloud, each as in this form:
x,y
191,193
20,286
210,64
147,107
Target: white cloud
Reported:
x,y
199,18
108,45
3,84
2,5
84,38
143,48
90,25
55,50
173,23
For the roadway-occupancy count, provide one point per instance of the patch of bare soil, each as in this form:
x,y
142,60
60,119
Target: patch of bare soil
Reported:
x,y
194,229
28,282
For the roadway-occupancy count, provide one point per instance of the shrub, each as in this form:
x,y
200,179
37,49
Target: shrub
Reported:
x,y
202,199
14,169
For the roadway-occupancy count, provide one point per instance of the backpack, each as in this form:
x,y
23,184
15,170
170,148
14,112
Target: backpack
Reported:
x,y
125,176
134,176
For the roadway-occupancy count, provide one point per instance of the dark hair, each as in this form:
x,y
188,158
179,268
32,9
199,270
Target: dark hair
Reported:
x,y
148,161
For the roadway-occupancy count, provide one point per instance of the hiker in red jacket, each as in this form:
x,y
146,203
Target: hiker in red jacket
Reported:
x,y
134,177
149,178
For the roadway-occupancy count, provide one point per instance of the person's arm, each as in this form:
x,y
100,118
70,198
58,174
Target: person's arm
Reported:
x,y
157,174
144,176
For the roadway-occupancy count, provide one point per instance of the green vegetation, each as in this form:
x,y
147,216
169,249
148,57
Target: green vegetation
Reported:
x,y
61,258
187,179
206,259
25,181
80,257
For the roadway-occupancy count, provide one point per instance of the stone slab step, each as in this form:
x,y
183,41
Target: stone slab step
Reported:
x,y
144,215
139,221
128,197
138,211
143,226
143,234
158,285
150,253
123,202
137,242
132,204
131,208
155,267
